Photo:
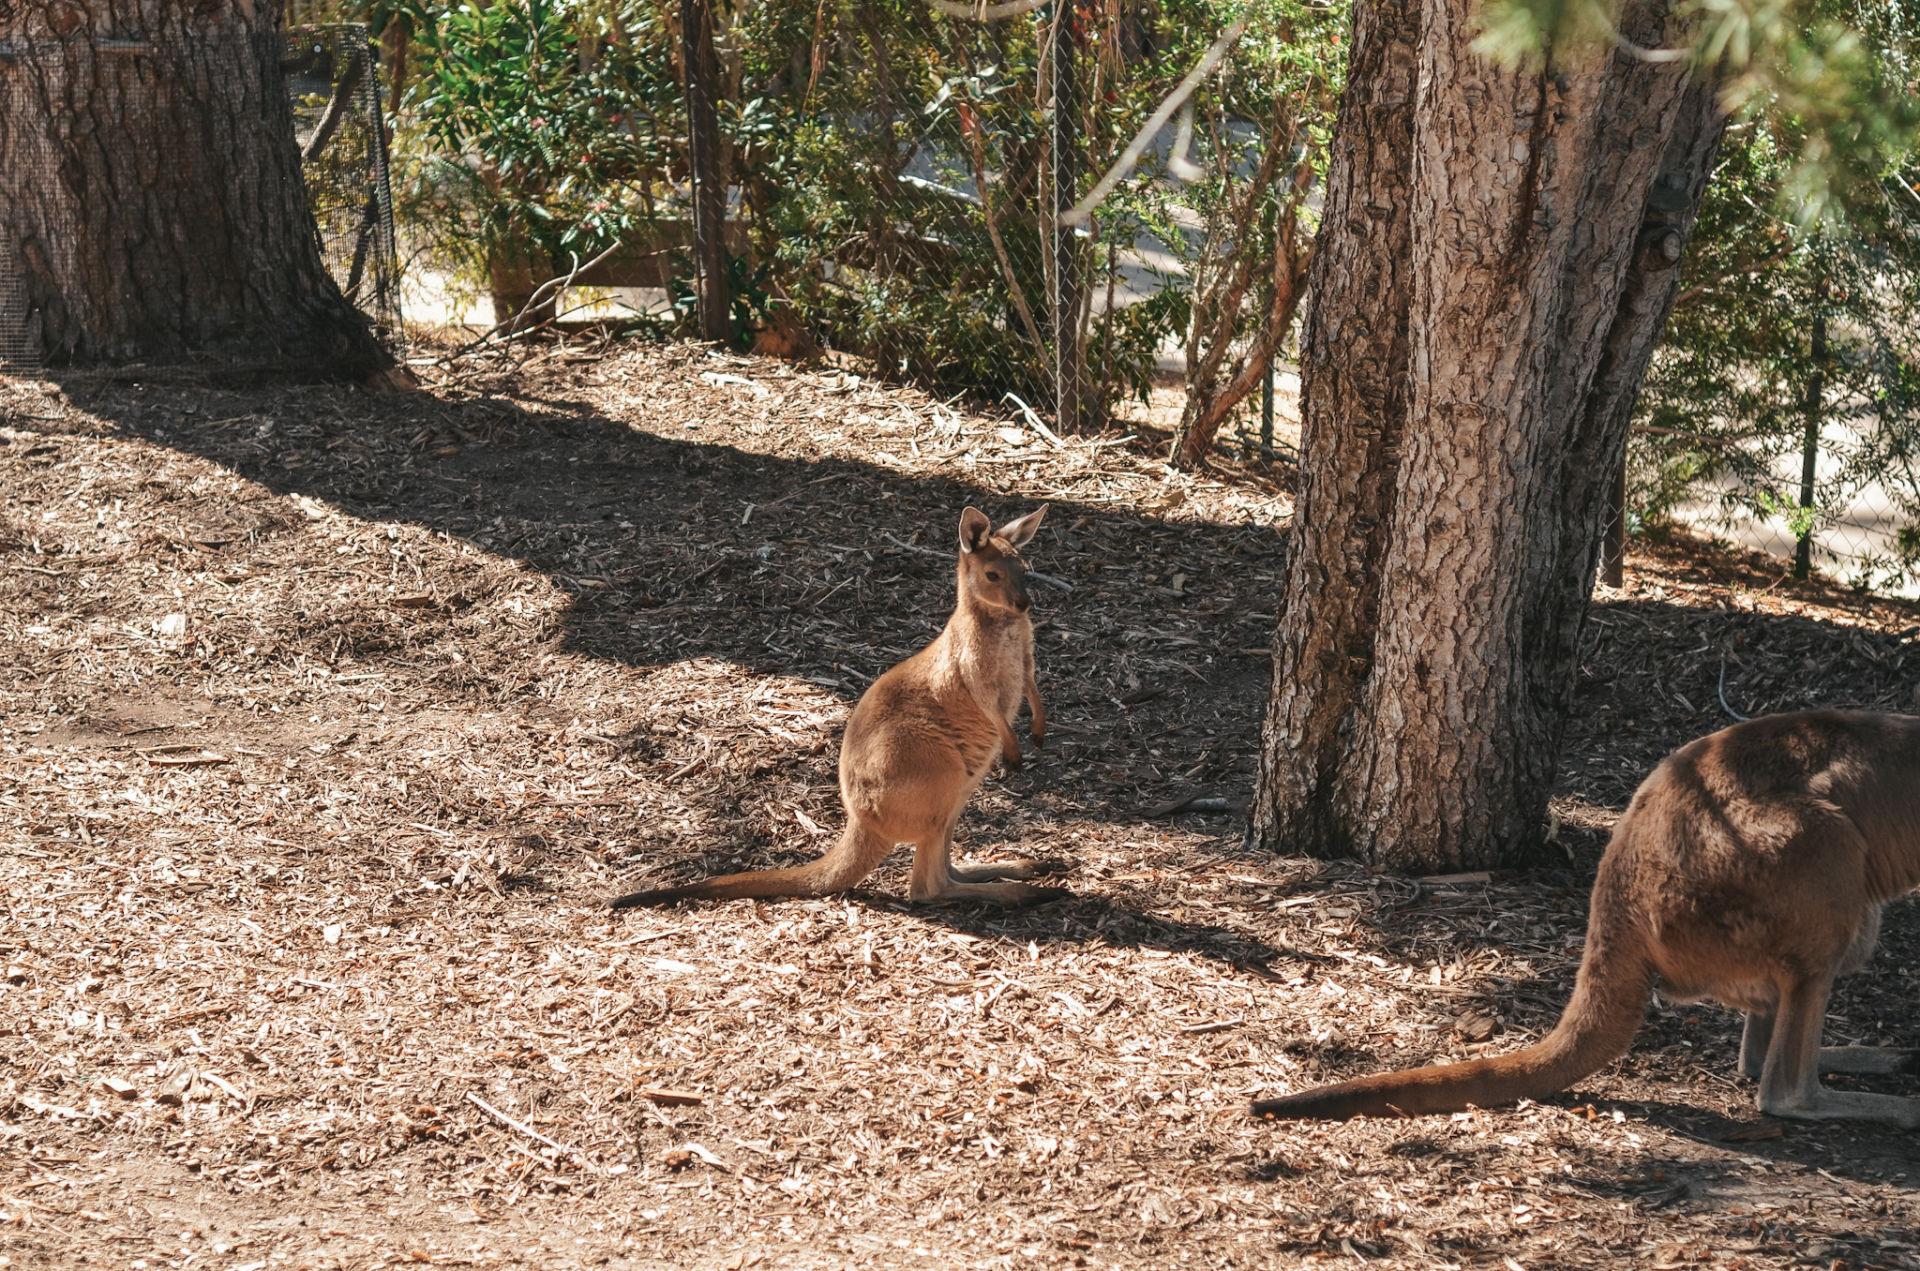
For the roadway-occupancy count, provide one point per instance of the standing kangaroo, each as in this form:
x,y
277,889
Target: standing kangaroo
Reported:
x,y
921,738
1751,867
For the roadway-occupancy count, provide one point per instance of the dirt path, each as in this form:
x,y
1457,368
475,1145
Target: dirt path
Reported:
x,y
327,722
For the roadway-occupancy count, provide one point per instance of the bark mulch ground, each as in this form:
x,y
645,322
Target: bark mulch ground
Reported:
x,y
329,721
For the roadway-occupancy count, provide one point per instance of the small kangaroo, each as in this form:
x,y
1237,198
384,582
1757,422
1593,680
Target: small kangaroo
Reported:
x,y
921,738
1750,867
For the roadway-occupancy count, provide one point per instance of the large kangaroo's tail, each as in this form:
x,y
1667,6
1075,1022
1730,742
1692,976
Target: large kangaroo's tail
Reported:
x,y
846,863
1609,1001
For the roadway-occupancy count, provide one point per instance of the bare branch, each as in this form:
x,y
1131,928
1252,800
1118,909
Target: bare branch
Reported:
x,y
337,106
978,153
551,286
1082,210
983,12
1698,290
1180,161
1644,54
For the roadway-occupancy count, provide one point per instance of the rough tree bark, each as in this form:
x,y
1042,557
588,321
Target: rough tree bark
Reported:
x,y
151,201
1354,391
1495,264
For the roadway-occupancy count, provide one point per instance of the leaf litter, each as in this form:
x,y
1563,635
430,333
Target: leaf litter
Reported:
x,y
329,722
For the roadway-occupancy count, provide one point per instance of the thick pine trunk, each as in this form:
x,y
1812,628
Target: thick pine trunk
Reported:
x,y
1354,392
151,202
1496,264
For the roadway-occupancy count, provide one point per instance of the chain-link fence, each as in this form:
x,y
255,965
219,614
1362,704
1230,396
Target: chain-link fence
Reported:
x,y
940,151
1860,530
932,266
334,84
921,245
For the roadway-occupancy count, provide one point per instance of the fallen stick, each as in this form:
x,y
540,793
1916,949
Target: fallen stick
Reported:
x,y
528,1130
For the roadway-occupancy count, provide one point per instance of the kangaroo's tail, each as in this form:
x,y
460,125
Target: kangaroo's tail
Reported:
x,y
845,864
1609,1001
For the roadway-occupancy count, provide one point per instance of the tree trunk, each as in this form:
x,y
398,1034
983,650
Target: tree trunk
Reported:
x,y
1353,393
151,200
1495,263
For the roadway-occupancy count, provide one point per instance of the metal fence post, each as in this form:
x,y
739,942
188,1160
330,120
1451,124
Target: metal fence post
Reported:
x,y
703,157
1810,444
1065,282
1266,381
1613,539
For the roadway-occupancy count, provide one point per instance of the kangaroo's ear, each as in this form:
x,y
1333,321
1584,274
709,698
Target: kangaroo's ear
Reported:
x,y
974,528
1021,532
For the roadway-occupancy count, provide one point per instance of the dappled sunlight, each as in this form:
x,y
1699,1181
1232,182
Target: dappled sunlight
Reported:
x,y
337,720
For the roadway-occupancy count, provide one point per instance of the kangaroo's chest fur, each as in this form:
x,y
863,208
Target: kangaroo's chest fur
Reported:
x,y
993,661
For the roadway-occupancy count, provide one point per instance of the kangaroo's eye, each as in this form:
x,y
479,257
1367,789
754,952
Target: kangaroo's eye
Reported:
x,y
993,576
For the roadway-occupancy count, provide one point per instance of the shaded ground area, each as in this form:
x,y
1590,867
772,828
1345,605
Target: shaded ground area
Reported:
x,y
328,721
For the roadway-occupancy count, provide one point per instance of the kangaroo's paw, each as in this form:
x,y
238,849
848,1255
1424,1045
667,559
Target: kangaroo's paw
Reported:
x,y
1871,1060
1846,1105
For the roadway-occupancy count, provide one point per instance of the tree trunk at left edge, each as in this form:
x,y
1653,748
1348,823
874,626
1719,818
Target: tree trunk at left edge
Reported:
x,y
151,202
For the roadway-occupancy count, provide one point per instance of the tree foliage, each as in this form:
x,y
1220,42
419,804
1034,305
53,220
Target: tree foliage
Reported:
x,y
889,162
1788,320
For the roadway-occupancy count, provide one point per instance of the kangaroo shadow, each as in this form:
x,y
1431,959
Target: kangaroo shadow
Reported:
x,y
673,548
1856,1150
1090,916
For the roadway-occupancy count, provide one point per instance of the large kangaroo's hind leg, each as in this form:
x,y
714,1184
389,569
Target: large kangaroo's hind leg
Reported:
x,y
1861,1061
1790,1082
1870,1061
1866,1060
935,877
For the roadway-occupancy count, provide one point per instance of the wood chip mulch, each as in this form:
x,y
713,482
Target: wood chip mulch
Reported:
x,y
329,721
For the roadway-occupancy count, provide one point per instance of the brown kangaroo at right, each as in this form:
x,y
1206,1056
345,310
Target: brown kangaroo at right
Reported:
x,y
921,739
1751,867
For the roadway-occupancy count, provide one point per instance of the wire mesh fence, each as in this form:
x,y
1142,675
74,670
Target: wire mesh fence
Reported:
x,y
16,350
923,249
333,83
1859,532
940,151
933,271
44,219
18,345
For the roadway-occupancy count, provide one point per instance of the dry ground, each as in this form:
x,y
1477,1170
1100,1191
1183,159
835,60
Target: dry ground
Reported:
x,y
328,722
